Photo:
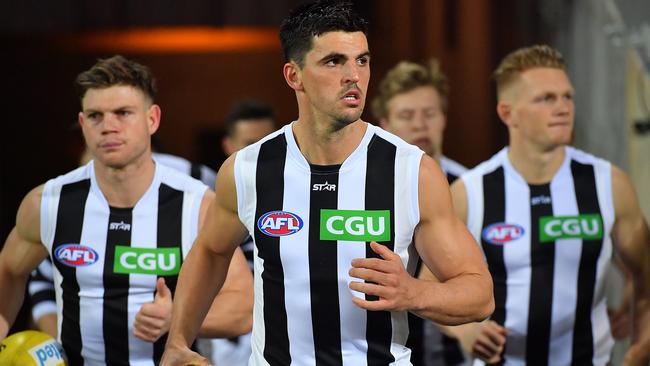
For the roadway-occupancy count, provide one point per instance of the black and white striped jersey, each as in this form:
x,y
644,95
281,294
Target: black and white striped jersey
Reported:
x,y
41,290
196,171
308,223
548,248
107,260
452,169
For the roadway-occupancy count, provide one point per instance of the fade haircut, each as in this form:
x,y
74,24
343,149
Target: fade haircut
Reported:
x,y
247,110
116,70
312,19
406,76
524,59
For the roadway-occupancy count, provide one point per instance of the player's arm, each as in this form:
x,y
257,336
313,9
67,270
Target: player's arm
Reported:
x,y
632,240
41,293
464,292
204,272
486,339
21,253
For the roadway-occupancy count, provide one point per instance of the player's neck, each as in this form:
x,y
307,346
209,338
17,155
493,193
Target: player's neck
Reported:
x,y
322,146
536,166
123,187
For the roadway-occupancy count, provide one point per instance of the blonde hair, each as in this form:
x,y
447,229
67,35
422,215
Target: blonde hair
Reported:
x,y
406,76
524,59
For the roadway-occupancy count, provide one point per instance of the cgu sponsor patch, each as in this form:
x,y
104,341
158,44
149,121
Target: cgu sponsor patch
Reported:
x,y
279,223
153,261
355,225
589,227
501,233
75,255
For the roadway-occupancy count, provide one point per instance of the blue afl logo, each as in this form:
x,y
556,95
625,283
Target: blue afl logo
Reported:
x,y
502,232
279,223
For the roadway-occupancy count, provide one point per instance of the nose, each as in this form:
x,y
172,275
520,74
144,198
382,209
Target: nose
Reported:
x,y
565,106
110,123
350,74
419,122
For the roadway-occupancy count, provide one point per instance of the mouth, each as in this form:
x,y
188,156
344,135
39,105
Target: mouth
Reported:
x,y
112,145
352,96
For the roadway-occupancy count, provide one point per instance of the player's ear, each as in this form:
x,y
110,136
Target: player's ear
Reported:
x,y
504,110
293,75
153,118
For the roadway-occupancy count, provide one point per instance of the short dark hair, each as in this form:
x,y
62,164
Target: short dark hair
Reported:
x,y
246,110
312,19
116,70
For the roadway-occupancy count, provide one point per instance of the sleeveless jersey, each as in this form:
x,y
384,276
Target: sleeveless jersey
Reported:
x,y
107,260
548,248
308,222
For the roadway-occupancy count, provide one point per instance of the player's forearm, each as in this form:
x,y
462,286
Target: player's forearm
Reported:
x,y
202,275
463,299
233,319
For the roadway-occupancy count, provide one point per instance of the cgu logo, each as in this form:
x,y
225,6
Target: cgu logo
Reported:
x,y
76,255
279,223
588,227
47,354
355,225
502,232
154,261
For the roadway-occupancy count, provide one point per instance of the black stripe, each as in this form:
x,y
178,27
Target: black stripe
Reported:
x,y
542,263
170,222
270,192
584,181
116,292
195,171
69,222
494,201
42,296
380,193
323,276
451,177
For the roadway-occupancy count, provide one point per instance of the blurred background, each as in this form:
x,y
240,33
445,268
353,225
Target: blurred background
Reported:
x,y
207,54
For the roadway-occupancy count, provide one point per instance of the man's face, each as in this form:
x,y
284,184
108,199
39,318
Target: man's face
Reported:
x,y
542,109
117,123
417,117
246,132
335,76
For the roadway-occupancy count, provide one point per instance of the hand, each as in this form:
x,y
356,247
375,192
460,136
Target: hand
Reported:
x,y
153,319
487,341
182,356
387,279
619,322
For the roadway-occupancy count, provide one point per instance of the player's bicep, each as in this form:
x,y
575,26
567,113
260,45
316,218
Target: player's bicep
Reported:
x,y
23,250
222,229
630,232
442,240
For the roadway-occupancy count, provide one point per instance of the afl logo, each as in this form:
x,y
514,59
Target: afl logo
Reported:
x,y
75,255
501,233
279,223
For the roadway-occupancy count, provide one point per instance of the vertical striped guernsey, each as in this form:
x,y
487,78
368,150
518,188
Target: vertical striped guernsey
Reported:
x,y
308,223
548,248
107,260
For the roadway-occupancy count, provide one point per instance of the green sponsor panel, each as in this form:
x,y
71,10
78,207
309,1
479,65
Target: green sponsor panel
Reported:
x,y
355,225
588,227
153,261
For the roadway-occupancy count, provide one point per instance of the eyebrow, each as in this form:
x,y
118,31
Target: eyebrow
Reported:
x,y
333,55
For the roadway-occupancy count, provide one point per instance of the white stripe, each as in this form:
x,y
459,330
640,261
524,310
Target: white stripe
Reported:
x,y
353,318
565,275
516,256
189,219
43,308
89,278
294,254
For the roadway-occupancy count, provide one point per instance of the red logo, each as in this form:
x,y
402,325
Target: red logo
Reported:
x,y
279,223
501,233
75,255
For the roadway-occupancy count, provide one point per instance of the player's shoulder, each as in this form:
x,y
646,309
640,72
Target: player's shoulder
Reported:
x,y
452,167
493,163
584,157
178,180
400,144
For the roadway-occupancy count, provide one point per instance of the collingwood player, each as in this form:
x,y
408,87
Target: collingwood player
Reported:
x,y
549,217
333,267
117,231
